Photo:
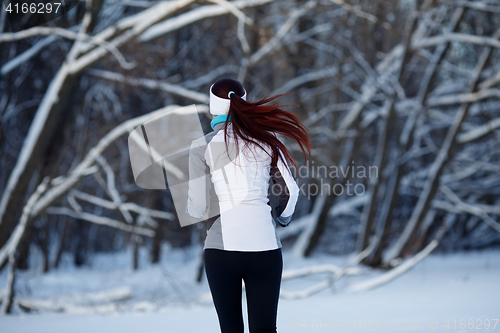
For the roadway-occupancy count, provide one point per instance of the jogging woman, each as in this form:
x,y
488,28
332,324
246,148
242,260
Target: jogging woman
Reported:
x,y
241,156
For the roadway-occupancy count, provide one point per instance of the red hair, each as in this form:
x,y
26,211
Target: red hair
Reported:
x,y
255,122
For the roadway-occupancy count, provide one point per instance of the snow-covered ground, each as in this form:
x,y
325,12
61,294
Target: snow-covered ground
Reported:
x,y
460,289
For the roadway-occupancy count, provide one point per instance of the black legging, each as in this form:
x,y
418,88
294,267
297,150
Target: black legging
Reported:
x,y
261,272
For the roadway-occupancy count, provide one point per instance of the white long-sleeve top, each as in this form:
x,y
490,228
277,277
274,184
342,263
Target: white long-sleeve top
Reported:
x,y
240,180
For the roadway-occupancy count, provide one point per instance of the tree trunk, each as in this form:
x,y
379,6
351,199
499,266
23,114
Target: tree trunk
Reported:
x,y
409,233
369,211
80,251
62,235
11,280
330,198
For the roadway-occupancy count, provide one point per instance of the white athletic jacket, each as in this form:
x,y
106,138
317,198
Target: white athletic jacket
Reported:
x,y
242,218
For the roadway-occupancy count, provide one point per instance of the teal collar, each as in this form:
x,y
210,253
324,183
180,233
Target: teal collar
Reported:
x,y
219,119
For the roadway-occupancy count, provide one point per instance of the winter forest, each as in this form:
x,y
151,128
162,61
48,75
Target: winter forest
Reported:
x,y
401,101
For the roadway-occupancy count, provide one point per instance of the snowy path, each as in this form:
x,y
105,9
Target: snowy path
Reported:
x,y
442,287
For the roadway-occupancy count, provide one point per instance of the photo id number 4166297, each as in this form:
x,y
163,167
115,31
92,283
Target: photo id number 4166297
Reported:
x,y
33,8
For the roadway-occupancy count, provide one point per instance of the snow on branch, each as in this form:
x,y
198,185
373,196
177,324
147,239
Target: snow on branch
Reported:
x,y
490,82
37,31
386,68
479,132
65,184
306,292
274,42
477,5
111,188
76,303
210,76
134,26
27,55
403,266
11,246
316,116
234,10
328,268
151,84
50,31
240,32
479,211
398,270
358,12
129,206
456,37
464,98
309,77
334,271
106,221
195,15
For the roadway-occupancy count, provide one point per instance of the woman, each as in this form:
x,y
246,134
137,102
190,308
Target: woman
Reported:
x,y
242,155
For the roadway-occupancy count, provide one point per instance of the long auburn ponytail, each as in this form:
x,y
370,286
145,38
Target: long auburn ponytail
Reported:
x,y
255,122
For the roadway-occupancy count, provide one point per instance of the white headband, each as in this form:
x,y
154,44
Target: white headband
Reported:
x,y
220,105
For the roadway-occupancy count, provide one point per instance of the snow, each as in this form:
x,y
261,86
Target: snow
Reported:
x,y
166,298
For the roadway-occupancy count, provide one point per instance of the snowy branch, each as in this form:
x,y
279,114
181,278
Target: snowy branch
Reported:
x,y
464,98
479,211
73,304
151,84
101,220
111,188
479,132
65,184
51,31
27,55
398,270
358,12
302,79
477,5
129,206
195,15
386,68
456,37
11,246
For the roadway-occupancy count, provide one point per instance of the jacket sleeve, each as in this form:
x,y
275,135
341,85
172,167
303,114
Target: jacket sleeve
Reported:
x,y
288,192
198,201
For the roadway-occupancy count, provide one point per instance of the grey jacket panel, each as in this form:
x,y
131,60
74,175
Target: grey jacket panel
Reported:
x,y
214,236
277,237
283,195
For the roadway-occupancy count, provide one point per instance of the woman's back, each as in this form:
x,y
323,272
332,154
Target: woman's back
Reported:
x,y
240,175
